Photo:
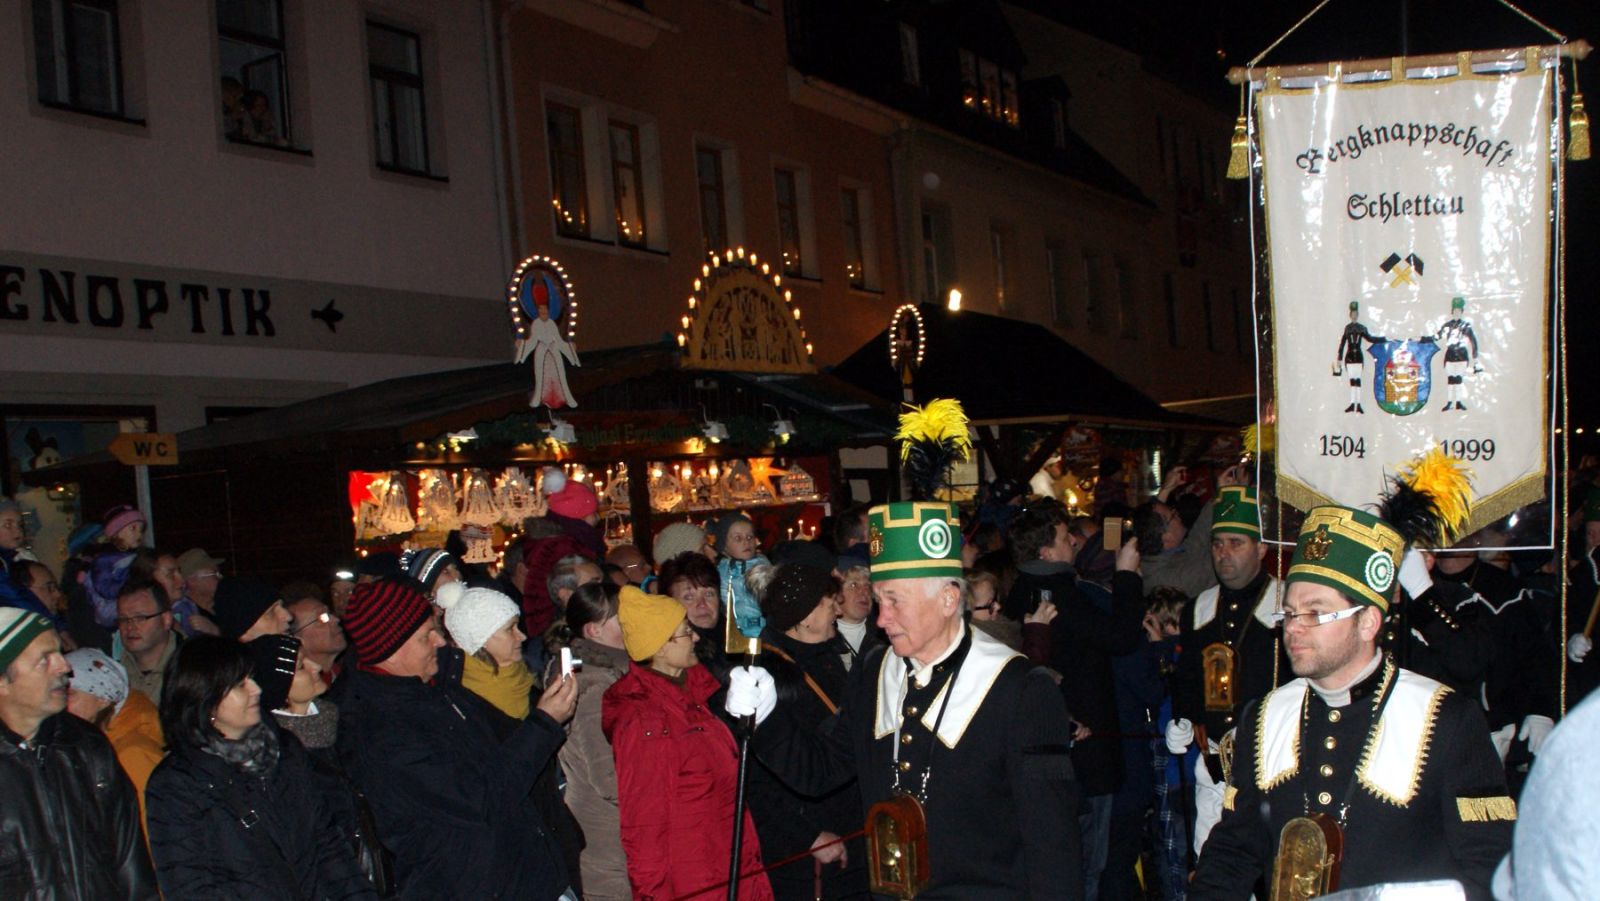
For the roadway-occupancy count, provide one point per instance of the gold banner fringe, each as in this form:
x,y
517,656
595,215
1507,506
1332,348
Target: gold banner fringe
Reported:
x,y
1485,511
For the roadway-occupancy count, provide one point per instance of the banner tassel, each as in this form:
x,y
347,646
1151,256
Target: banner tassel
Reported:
x,y
1577,132
1239,157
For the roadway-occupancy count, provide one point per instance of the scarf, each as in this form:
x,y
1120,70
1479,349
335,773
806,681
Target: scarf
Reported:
x,y
254,754
508,690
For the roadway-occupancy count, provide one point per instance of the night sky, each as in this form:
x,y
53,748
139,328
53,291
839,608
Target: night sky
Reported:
x,y
1195,43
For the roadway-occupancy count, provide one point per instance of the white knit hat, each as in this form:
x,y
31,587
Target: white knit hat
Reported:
x,y
96,674
678,538
471,615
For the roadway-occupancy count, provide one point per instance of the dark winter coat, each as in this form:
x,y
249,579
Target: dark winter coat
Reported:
x,y
676,770
1085,635
69,821
217,832
789,821
452,802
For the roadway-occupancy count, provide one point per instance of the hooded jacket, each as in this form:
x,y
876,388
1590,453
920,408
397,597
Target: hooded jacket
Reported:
x,y
69,824
592,775
676,770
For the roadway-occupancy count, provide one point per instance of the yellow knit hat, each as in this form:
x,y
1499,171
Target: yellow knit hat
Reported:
x,y
648,620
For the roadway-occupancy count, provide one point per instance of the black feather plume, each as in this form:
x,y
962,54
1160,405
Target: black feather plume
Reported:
x,y
1414,514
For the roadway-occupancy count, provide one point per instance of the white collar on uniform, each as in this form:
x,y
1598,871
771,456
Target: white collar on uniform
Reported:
x,y
1205,606
1397,745
979,669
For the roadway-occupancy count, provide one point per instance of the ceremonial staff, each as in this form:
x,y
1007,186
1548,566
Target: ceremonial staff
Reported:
x,y
742,624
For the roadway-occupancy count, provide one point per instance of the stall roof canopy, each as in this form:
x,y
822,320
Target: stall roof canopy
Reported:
x,y
616,380
1008,370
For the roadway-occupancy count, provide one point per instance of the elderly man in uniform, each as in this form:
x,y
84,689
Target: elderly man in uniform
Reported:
x,y
1230,648
1402,764
947,715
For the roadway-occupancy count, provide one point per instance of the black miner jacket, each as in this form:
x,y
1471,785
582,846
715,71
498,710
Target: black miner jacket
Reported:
x,y
69,821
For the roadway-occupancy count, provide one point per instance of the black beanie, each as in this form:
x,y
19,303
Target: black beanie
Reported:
x,y
239,603
795,590
274,660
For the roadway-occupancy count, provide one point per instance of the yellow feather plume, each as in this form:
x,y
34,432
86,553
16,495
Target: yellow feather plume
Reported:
x,y
936,421
1449,482
1258,441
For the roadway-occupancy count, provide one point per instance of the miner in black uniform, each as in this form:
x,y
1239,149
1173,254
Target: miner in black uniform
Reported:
x,y
1460,352
1230,649
944,714
1350,354
1401,763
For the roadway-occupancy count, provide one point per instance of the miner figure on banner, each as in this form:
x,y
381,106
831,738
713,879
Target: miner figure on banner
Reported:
x,y
1460,352
1350,354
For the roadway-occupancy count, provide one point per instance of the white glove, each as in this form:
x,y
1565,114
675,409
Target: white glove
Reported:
x,y
1180,734
1578,647
750,690
1534,729
1502,739
1414,575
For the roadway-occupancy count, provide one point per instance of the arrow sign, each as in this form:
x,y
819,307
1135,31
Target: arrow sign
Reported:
x,y
145,449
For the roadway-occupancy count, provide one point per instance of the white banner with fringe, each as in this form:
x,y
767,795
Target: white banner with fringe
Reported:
x,y
1409,230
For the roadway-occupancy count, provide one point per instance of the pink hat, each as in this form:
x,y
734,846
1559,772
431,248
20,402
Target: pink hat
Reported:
x,y
119,518
575,500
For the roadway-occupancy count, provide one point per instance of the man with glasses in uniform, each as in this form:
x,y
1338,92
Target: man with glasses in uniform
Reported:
x,y
1400,763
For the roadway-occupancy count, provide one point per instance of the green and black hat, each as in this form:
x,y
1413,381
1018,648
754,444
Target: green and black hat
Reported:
x,y
1351,551
913,540
1236,511
1458,303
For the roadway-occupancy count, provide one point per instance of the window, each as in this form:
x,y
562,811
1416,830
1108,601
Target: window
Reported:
x,y
989,84
1127,300
988,89
399,116
1169,294
855,260
1094,296
713,198
788,195
569,199
1055,258
77,49
255,85
1205,311
969,79
1008,113
997,247
627,184
910,55
1058,123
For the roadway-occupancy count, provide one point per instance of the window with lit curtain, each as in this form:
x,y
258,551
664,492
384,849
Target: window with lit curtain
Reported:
x,y
627,184
1094,295
399,111
1056,273
1127,300
255,79
77,51
568,199
788,196
855,264
997,246
713,200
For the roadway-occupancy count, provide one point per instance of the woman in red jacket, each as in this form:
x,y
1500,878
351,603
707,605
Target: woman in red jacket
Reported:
x,y
676,763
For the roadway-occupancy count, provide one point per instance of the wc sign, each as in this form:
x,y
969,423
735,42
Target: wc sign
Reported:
x,y
145,449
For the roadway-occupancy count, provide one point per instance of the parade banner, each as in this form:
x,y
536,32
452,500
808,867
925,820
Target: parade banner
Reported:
x,y
1409,231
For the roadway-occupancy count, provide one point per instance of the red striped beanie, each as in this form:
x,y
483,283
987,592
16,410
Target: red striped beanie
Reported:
x,y
380,617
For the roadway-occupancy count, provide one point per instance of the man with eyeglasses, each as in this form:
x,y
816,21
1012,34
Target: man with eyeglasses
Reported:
x,y
321,635
1401,763
144,620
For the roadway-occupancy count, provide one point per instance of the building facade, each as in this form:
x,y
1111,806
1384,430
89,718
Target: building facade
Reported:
x,y
645,136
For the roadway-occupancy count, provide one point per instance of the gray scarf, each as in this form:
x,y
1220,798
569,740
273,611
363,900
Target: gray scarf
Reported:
x,y
254,754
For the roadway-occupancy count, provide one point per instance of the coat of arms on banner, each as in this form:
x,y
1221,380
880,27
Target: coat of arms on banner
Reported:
x,y
1404,374
1409,233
